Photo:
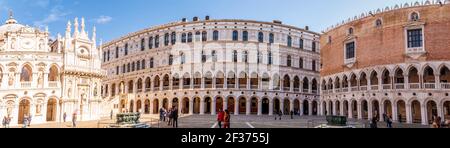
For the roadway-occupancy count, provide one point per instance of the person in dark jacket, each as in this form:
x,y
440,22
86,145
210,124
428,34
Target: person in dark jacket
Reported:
x,y
175,117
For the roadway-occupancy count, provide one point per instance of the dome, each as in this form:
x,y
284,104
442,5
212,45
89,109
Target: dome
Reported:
x,y
10,25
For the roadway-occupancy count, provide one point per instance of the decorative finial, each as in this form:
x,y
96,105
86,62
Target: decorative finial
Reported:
x,y
11,14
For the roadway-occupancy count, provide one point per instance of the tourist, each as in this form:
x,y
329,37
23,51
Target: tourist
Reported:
x,y
385,117
220,117
373,123
400,118
74,120
8,121
161,114
280,114
169,116
439,121
25,121
4,121
175,117
111,114
227,119
29,120
64,117
388,120
292,114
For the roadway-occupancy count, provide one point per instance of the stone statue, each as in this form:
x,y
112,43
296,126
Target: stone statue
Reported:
x,y
41,45
13,44
40,79
11,78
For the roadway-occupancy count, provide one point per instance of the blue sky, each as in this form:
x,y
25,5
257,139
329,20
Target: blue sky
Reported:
x,y
115,18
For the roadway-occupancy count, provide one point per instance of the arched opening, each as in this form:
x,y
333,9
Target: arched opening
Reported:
x,y
296,106
26,75
445,78
185,109
345,84
254,106
231,80
131,106
123,106
219,104
401,111
138,106
165,103
428,78
276,106
286,83
175,82
276,82
306,107
231,104
338,108
186,81
315,108
147,106
365,109
166,82
374,80
156,106
196,105
139,85
51,110
363,81
242,105
399,80
175,103
53,77
376,110
197,80
287,106
243,80
208,80
330,110
386,80
345,108
296,84
388,108
325,108
265,81
156,83
354,109
337,84
24,110
220,80
265,106
413,79
130,86
208,102
446,108
254,81
305,85
431,111
314,86
353,83
416,112
147,84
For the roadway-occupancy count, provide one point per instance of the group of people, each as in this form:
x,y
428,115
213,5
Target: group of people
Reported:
x,y
6,121
225,118
170,116
74,119
26,121
439,123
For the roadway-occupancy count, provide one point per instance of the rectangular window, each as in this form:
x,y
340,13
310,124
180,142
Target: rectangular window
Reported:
x,y
415,38
350,50
117,70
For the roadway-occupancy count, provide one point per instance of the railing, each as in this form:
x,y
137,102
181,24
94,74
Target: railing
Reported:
x,y
25,84
345,89
139,90
305,90
314,91
219,86
445,85
52,84
197,85
231,85
165,87
296,89
147,89
176,87
414,85
186,86
374,87
363,88
286,88
387,86
429,85
355,88
208,85
399,86
254,86
243,86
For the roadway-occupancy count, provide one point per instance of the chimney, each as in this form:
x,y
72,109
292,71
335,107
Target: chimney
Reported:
x,y
195,19
207,18
306,28
183,19
277,22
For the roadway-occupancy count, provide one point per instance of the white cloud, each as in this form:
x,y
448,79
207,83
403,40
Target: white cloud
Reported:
x,y
56,14
103,19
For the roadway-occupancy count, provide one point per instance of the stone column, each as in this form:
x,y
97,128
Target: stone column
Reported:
x,y
192,83
180,86
151,107
213,106
45,82
282,106
248,106
225,104
225,83
236,82
259,107
202,106
236,106
423,112
170,83
437,81
191,106
440,110
381,111
359,108
341,108
202,85
395,112
301,108
370,110
248,83
291,105
270,107
161,84
310,108
350,110
408,113
406,77
291,86
213,82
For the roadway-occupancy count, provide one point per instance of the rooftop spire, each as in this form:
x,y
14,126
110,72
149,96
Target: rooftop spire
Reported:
x,y
11,19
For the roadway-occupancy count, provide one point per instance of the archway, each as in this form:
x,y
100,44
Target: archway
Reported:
x,y
345,108
242,105
447,110
324,108
365,109
431,111
276,106
175,103
376,110
24,110
306,107
354,109
156,106
147,106
287,106
265,106
165,104
416,112
185,109
208,105
338,108
296,106
401,111
51,110
230,103
138,106
254,106
219,104
388,108
131,106
315,107
196,105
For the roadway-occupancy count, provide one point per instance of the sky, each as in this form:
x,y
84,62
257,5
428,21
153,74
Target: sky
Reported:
x,y
116,18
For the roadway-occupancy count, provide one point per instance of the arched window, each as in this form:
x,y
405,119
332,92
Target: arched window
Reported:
x,y
183,38
142,44
173,38
143,64
245,56
313,46
313,65
151,63
126,49
150,42
350,31
204,36
128,67
245,36
301,63
289,61
414,16
235,56
198,36
216,35
378,23
170,59
133,66
214,56
301,44
26,75
166,39
138,65
261,37
53,75
289,41
235,35
269,58
271,38
203,57
157,41
189,40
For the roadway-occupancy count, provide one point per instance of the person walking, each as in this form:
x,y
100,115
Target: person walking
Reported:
x,y
169,116
400,118
175,118
227,119
280,114
8,121
64,117
373,123
388,120
4,121
292,114
220,118
161,114
111,114
25,121
29,120
74,120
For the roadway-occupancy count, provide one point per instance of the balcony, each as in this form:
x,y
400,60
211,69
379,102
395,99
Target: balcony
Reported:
x,y
147,89
25,84
219,86
414,85
429,85
296,89
363,88
355,88
254,86
374,87
345,89
242,86
286,88
445,85
197,85
399,86
208,85
305,90
52,84
231,85
387,86
314,91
